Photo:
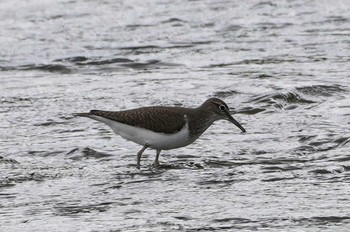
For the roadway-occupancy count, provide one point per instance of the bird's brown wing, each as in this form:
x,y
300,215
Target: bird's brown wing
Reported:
x,y
158,119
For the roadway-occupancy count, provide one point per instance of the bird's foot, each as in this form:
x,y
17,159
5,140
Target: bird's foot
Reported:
x,y
156,164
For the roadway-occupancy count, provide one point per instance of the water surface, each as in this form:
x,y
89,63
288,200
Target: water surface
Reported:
x,y
283,67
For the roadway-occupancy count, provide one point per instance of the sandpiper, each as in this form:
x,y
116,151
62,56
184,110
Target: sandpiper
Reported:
x,y
163,128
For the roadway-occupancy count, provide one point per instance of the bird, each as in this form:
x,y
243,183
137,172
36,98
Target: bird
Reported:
x,y
163,127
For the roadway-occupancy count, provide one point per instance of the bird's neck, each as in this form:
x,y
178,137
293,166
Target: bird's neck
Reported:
x,y
199,121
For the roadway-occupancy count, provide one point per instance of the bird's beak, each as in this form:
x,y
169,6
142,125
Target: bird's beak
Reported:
x,y
231,119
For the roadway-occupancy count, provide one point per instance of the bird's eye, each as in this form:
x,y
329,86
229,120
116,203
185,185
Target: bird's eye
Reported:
x,y
222,107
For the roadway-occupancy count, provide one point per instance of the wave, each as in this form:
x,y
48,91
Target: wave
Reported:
x,y
82,64
292,98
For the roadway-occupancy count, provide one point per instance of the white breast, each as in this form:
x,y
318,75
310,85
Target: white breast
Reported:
x,y
160,141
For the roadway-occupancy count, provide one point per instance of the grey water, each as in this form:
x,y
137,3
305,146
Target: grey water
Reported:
x,y
282,67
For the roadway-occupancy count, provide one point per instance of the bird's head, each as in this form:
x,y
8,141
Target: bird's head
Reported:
x,y
220,110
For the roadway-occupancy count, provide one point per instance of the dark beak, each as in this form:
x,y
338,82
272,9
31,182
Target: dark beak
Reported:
x,y
231,119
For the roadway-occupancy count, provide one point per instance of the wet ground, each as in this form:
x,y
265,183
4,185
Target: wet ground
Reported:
x,y
282,66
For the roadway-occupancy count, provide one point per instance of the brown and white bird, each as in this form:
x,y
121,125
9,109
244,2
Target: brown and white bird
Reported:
x,y
161,127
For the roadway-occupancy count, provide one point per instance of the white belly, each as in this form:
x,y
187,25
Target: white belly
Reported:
x,y
155,140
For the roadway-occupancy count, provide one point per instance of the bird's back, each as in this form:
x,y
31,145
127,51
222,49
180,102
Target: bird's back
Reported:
x,y
158,118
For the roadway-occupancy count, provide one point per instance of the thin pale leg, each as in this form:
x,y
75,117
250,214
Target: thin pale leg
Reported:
x,y
139,155
156,161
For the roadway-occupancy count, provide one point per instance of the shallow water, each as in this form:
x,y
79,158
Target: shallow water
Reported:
x,y
282,66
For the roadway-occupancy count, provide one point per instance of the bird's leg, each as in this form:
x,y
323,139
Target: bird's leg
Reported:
x,y
156,161
139,155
